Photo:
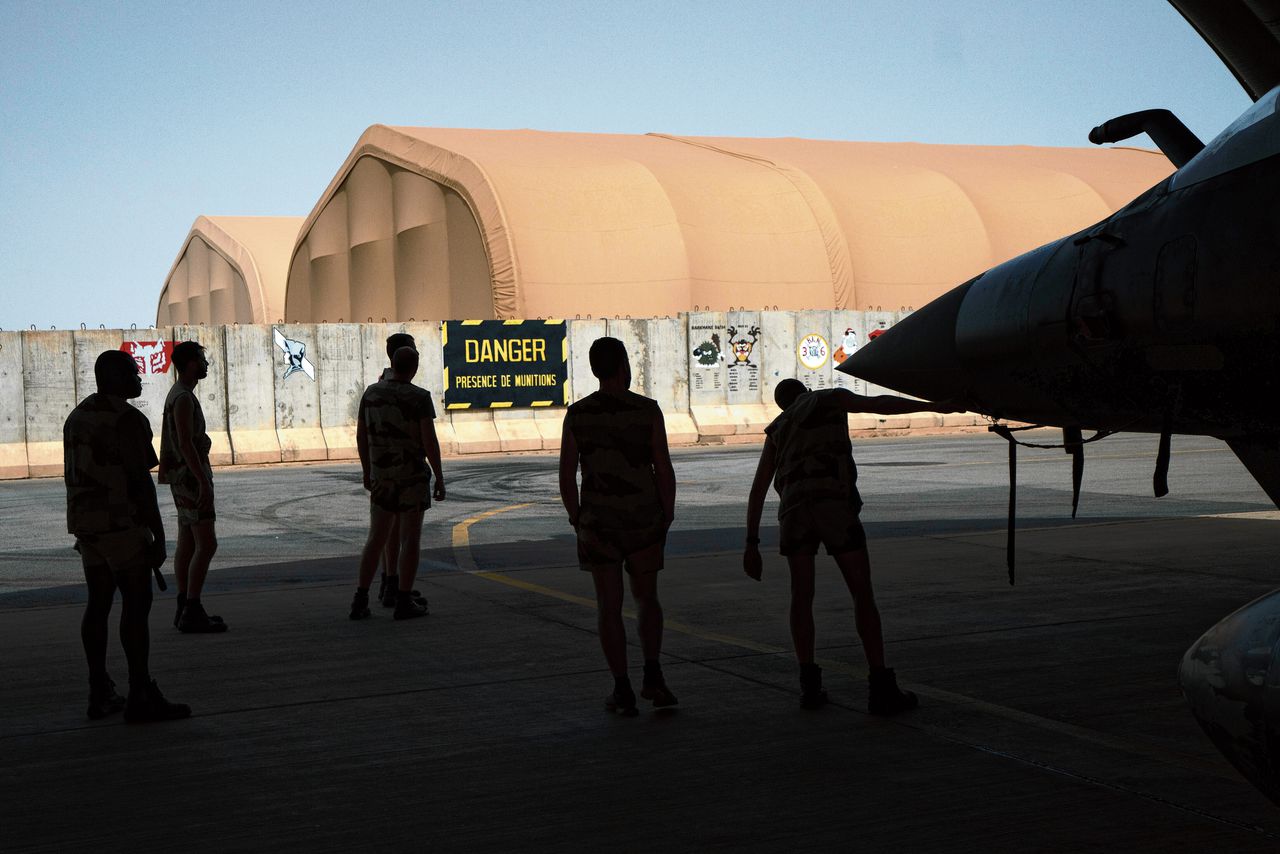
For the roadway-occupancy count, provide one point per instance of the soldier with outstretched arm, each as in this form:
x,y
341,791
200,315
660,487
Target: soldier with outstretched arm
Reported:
x,y
808,457
112,511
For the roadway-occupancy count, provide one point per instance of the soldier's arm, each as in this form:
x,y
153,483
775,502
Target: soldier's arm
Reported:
x,y
362,443
752,564
139,460
664,471
569,473
887,404
431,444
184,421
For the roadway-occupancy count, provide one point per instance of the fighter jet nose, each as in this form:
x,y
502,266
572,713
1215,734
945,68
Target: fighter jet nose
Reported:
x,y
1231,679
918,355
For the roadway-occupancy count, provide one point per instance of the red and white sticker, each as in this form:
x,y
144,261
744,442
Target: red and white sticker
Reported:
x,y
153,357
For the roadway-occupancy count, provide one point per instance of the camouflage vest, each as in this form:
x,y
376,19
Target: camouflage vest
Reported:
x,y
392,413
170,445
614,434
814,454
106,443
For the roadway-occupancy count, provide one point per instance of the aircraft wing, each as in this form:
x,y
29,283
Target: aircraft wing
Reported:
x,y
1244,33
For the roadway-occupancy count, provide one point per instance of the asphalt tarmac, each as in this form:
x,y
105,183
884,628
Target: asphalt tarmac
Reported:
x,y
1050,718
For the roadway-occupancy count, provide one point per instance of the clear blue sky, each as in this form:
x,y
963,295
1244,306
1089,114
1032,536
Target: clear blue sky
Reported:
x,y
122,122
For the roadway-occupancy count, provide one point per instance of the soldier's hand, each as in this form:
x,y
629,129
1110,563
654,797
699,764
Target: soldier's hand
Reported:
x,y
156,554
368,483
438,493
752,563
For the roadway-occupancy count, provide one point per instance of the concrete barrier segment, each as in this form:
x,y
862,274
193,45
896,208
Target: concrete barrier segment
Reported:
x,y
13,421
667,363
635,335
744,358
581,333
474,432
550,426
517,434
713,421
707,355
681,429
813,347
297,362
49,395
778,350
848,333
212,390
150,349
251,358
340,370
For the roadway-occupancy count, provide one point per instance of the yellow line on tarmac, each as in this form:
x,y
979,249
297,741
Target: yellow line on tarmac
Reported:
x,y
462,536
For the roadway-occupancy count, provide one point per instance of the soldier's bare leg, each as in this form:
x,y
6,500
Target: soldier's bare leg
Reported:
x,y
409,525
801,614
204,546
182,553
613,634
380,522
391,553
856,569
135,635
644,589
94,627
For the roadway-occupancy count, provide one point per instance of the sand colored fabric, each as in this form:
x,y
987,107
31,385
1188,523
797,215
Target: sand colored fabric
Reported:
x,y
231,269
437,223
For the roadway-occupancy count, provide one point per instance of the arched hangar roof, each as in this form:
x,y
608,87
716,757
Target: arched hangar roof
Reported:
x,y
230,269
655,224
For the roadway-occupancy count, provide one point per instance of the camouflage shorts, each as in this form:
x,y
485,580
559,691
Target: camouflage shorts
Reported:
x,y
123,552
401,496
601,548
835,524
186,496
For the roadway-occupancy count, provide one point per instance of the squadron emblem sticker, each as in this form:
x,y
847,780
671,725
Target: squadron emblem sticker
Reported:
x,y
813,351
152,356
847,347
295,356
742,343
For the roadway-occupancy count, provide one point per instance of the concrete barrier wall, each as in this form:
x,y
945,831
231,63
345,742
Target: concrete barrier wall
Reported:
x,y
251,396
291,391
340,378
49,395
13,426
297,392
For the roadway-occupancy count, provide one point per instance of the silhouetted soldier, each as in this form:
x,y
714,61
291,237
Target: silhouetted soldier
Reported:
x,y
112,511
622,517
395,432
390,582
808,456
184,465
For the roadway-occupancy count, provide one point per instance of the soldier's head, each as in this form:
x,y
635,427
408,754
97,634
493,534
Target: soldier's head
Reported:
x,y
189,359
786,392
117,374
398,340
609,361
404,363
